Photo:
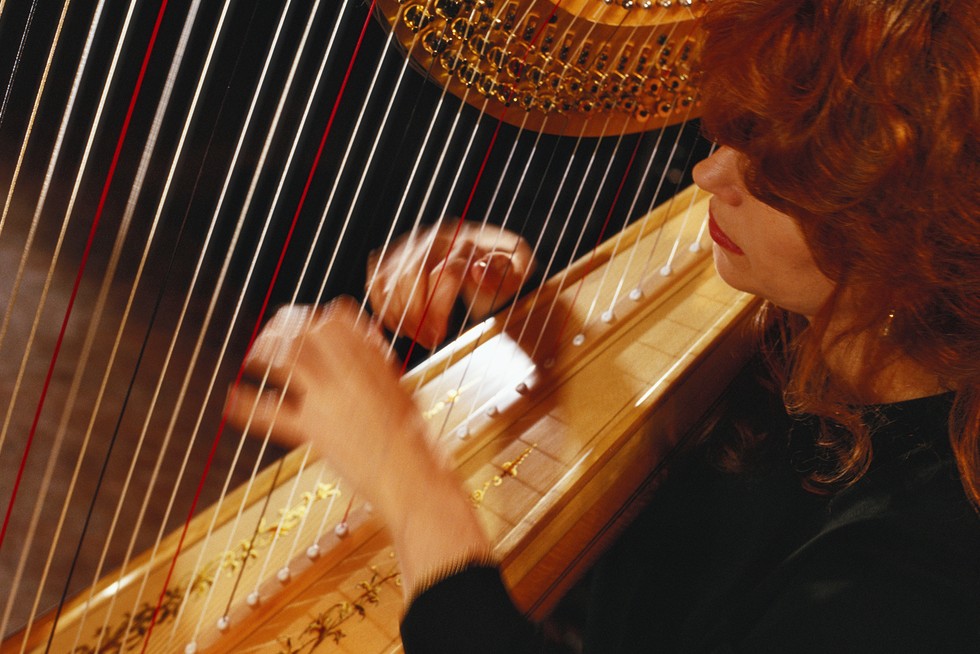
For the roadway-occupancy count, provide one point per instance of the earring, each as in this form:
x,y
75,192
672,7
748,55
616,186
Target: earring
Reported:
x,y
886,329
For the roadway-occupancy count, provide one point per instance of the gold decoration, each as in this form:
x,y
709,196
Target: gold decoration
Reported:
x,y
327,625
594,66
509,469
129,632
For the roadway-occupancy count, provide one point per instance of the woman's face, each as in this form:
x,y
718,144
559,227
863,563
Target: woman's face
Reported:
x,y
756,248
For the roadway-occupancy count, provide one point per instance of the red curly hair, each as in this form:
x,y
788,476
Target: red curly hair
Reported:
x,y
860,119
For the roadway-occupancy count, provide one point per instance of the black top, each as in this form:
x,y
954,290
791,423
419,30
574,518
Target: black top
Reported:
x,y
754,563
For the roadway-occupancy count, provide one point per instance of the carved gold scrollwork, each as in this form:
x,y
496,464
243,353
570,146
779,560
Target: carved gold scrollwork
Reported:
x,y
614,66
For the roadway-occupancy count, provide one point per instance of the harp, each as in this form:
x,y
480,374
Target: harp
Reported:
x,y
174,169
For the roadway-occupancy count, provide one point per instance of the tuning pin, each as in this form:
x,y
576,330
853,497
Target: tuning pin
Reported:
x,y
284,575
342,529
313,551
253,599
223,623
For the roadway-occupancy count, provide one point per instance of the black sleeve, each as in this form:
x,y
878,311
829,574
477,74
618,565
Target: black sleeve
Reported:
x,y
863,606
470,612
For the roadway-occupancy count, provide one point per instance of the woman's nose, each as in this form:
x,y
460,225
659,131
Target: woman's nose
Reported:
x,y
720,175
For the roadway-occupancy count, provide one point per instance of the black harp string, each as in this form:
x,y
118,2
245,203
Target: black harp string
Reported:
x,y
19,276
167,278
55,259
94,325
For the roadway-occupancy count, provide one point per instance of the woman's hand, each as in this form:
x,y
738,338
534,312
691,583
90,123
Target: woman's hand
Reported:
x,y
328,382
414,286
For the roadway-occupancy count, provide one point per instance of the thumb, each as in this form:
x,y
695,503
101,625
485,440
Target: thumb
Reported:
x,y
499,273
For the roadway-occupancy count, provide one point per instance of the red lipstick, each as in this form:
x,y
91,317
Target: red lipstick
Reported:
x,y
721,238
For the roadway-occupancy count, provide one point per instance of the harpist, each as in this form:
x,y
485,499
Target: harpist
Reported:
x,y
841,517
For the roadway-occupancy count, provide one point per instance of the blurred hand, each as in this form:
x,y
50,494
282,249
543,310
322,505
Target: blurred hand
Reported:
x,y
330,383
485,267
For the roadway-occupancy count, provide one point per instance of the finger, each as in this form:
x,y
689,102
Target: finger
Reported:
x,y
259,412
345,322
445,281
273,355
392,278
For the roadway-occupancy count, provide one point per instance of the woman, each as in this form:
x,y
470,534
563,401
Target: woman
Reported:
x,y
844,193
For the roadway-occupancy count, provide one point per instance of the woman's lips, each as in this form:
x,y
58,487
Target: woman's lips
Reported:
x,y
721,238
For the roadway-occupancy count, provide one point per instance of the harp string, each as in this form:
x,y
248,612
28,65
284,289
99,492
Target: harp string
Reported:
x,y
18,277
483,223
609,314
484,328
17,59
652,157
258,324
646,218
262,383
27,136
509,313
292,302
416,226
565,320
183,313
294,486
430,291
82,364
45,187
81,270
227,262
667,267
37,214
261,574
